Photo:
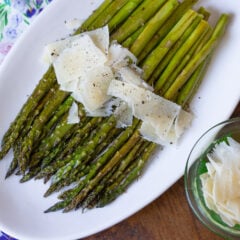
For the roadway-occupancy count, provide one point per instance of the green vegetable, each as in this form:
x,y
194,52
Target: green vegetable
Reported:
x,y
176,60
151,62
199,57
123,13
137,19
153,25
164,30
39,92
167,59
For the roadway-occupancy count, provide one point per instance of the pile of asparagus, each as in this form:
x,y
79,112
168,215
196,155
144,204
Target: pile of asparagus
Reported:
x,y
96,160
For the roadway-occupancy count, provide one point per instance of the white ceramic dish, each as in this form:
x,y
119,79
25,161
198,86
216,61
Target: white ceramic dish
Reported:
x,y
22,205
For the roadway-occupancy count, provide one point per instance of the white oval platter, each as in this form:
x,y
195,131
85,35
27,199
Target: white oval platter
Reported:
x,y
22,205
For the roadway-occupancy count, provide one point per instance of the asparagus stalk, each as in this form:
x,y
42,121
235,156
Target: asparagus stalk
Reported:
x,y
35,133
192,84
150,64
123,14
163,64
14,163
204,12
68,195
137,19
95,14
86,150
52,155
198,58
199,31
84,168
67,146
33,115
131,39
166,60
106,169
81,133
108,14
153,25
165,29
195,48
27,128
61,110
135,173
60,133
114,176
16,126
59,159
30,174
90,199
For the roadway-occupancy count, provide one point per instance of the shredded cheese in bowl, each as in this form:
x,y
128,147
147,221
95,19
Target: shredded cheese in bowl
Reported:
x,y
212,179
221,182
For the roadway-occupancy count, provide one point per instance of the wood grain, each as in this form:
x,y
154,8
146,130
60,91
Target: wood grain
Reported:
x,y
167,218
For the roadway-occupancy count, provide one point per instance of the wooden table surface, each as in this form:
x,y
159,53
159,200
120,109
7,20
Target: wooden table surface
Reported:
x,y
167,218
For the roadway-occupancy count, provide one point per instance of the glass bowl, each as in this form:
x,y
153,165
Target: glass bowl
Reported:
x,y
196,166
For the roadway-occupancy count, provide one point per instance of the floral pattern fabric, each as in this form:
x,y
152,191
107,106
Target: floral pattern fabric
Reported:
x,y
15,17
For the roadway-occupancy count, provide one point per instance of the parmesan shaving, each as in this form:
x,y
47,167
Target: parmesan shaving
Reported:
x,y
73,114
100,38
53,50
221,182
131,75
93,89
119,56
75,62
123,114
160,117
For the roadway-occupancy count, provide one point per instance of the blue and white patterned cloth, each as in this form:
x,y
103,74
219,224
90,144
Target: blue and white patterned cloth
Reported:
x,y
4,236
15,17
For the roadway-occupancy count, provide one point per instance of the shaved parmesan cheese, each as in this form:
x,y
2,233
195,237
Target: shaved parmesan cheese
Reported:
x,y
69,86
100,38
75,62
160,117
123,114
130,75
93,89
73,114
221,183
53,50
119,56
